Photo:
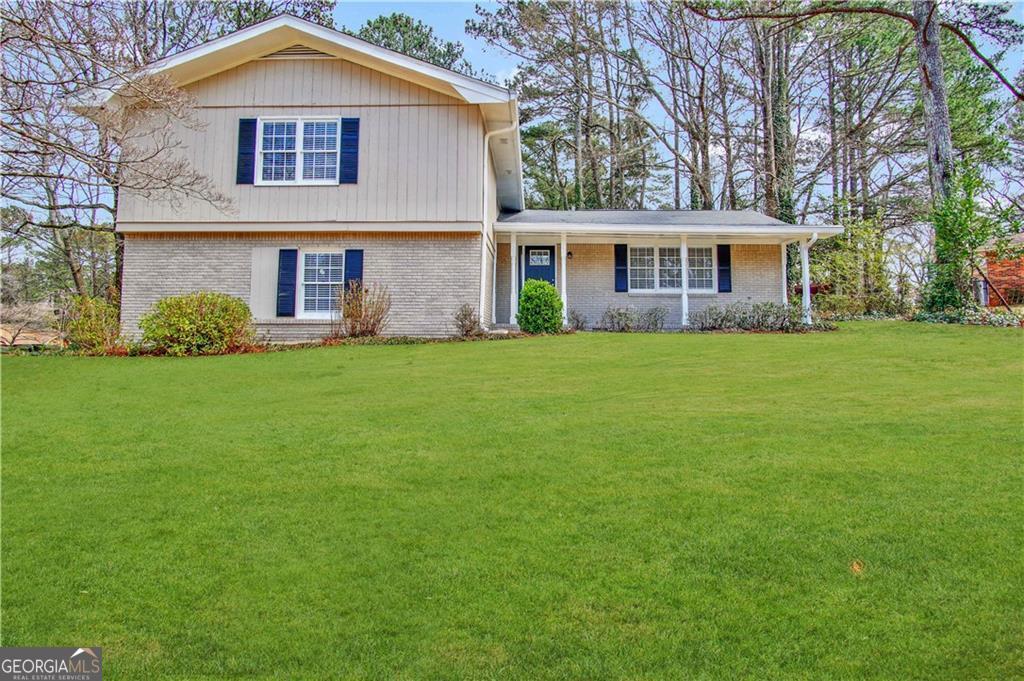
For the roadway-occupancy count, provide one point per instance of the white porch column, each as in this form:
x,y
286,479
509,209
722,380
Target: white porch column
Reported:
x,y
565,277
805,280
513,306
494,283
785,277
684,302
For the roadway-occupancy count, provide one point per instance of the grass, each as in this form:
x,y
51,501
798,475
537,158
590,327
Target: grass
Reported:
x,y
590,506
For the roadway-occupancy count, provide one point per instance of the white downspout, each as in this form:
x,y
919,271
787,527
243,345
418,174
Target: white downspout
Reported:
x,y
785,272
684,296
484,204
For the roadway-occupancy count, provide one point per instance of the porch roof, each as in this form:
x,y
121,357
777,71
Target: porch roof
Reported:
x,y
723,223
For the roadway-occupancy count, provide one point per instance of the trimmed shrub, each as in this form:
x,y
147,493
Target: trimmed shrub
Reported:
x,y
364,310
751,317
540,308
201,323
620,319
629,319
971,316
466,322
577,321
653,319
92,325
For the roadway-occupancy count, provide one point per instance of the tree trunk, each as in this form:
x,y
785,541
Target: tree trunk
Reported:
x,y
763,58
578,102
75,267
784,152
833,150
729,181
676,169
933,97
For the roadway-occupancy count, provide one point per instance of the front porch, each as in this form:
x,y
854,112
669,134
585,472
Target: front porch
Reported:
x,y
683,264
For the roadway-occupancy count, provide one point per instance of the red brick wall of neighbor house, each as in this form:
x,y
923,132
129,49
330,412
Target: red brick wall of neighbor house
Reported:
x,y
1008,277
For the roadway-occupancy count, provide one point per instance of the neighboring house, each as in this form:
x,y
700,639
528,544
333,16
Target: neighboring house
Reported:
x,y
1005,275
350,161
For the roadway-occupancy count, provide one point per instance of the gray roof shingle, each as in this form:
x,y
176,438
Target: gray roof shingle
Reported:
x,y
667,218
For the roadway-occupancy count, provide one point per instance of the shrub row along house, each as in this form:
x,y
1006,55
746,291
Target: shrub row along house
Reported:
x,y
347,161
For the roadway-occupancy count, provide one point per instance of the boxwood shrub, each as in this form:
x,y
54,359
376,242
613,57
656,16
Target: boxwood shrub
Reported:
x,y
201,323
540,308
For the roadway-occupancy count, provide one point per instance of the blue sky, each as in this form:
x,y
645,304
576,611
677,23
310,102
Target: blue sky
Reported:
x,y
449,21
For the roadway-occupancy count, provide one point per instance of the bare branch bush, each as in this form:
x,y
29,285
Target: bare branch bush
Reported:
x,y
362,310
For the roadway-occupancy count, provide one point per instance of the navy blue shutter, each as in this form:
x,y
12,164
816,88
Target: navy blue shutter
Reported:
x,y
621,268
287,275
245,170
724,268
348,172
353,267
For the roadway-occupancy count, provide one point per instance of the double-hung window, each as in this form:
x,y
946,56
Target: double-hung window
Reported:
x,y
298,151
670,268
641,268
321,282
660,268
701,269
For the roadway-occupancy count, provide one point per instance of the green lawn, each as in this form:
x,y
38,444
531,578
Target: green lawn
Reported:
x,y
589,506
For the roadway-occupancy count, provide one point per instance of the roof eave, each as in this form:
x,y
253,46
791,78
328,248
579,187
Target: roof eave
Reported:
x,y
472,90
793,231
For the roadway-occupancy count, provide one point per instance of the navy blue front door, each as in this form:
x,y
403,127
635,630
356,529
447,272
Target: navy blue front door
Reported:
x,y
539,263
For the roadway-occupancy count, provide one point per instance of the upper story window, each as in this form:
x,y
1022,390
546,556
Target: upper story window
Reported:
x,y
659,268
297,151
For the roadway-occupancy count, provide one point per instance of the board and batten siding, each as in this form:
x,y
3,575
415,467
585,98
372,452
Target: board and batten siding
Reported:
x,y
419,150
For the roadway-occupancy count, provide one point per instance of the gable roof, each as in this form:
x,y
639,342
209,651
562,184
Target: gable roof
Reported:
x,y
285,31
281,35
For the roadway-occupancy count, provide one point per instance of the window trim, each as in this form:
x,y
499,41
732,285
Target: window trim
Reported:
x,y
299,153
658,289
300,285
538,249
714,269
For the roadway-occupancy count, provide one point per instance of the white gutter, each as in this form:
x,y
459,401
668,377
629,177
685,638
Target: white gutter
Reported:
x,y
484,203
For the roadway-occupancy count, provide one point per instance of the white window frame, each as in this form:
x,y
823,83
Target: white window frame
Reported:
x,y
714,269
300,288
538,249
299,153
658,289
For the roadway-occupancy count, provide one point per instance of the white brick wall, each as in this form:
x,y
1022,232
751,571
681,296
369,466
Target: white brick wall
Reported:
x,y
756,277
428,278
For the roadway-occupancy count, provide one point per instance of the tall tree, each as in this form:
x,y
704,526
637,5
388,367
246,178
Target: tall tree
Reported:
x,y
233,15
402,33
926,21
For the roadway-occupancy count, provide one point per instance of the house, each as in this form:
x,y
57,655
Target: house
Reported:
x,y
1004,275
345,160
